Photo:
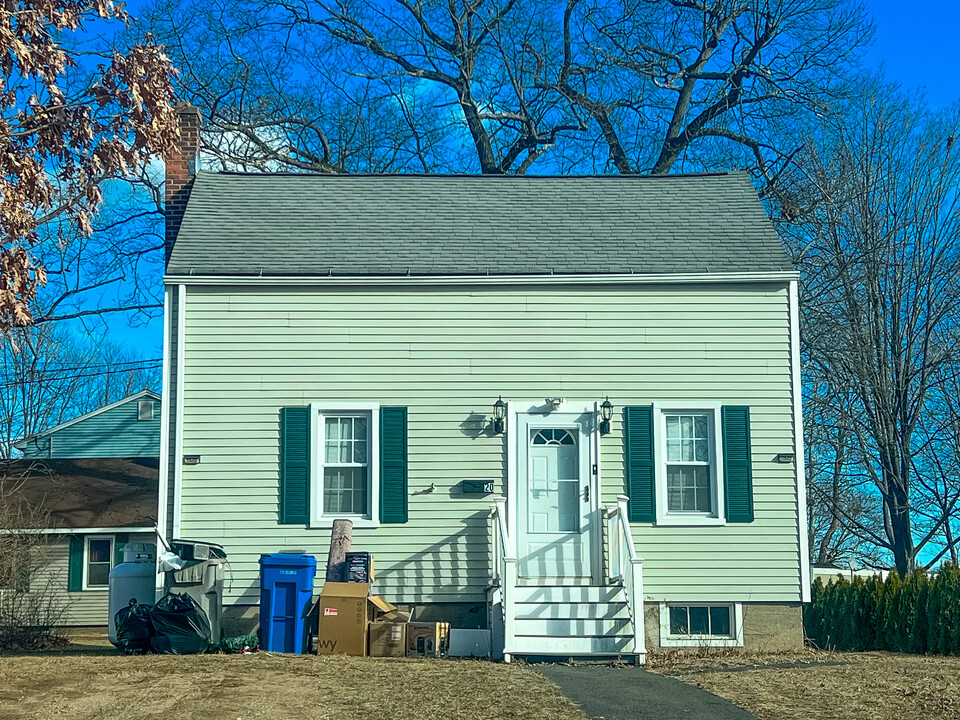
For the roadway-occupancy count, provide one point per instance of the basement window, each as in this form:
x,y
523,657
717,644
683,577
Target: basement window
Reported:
x,y
696,624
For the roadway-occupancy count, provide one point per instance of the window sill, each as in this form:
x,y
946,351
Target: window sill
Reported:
x,y
326,522
701,641
691,521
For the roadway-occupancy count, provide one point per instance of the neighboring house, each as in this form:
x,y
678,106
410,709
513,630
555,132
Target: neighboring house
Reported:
x,y
338,346
127,428
96,478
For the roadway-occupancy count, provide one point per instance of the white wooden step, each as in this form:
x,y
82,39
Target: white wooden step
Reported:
x,y
568,594
523,645
573,611
572,628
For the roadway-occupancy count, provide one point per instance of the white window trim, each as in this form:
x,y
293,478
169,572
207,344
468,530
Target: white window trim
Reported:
x,y
86,558
715,518
317,411
668,640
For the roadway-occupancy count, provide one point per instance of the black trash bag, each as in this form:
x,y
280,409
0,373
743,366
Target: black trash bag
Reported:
x,y
133,628
180,626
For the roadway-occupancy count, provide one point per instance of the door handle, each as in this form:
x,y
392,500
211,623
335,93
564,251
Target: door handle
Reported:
x,y
586,493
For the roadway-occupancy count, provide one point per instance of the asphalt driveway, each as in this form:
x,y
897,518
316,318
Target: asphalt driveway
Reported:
x,y
611,693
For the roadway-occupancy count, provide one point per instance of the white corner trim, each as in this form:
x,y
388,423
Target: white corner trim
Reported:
x,y
702,640
584,279
317,520
164,476
178,425
135,396
797,389
715,519
510,431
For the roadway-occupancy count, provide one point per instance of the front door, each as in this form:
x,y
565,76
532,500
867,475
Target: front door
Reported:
x,y
555,500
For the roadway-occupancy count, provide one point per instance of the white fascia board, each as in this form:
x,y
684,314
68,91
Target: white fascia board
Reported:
x,y
136,396
80,531
428,280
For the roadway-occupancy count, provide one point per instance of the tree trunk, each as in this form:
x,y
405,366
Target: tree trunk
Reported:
x,y
339,547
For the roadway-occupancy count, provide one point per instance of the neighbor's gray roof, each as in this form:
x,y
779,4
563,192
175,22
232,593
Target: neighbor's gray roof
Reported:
x,y
290,224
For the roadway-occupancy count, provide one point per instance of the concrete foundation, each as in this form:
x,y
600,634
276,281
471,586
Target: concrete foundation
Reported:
x,y
767,627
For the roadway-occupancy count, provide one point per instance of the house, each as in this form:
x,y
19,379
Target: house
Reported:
x,y
95,481
566,409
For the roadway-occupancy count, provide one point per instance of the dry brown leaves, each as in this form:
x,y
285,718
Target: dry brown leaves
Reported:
x,y
59,142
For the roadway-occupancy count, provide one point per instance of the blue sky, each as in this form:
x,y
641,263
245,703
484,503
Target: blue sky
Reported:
x,y
917,43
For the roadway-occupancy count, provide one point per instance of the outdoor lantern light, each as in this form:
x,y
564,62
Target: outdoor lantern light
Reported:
x,y
606,412
499,413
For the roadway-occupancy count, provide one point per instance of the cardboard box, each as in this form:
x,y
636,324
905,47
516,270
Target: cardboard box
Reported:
x,y
427,639
344,612
388,639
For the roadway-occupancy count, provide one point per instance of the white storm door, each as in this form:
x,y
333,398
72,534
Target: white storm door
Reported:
x,y
554,501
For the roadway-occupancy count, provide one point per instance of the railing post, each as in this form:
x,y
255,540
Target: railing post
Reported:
x,y
509,585
639,615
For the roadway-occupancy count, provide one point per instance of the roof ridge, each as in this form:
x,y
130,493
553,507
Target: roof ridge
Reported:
x,y
474,176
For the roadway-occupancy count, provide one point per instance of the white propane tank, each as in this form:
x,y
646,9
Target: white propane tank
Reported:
x,y
135,577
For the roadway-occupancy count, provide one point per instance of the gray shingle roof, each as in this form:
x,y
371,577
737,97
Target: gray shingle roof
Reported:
x,y
287,224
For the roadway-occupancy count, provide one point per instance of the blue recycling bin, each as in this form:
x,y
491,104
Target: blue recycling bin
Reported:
x,y
286,591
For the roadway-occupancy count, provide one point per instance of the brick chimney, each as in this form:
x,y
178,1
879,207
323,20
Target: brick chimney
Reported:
x,y
181,168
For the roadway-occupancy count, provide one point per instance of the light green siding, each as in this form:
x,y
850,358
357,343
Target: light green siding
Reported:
x,y
447,354
112,433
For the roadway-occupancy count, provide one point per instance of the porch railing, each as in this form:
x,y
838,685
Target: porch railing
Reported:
x,y
624,567
504,571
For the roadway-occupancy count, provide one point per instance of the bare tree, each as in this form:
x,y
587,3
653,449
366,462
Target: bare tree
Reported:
x,y
880,251
721,83
49,374
506,86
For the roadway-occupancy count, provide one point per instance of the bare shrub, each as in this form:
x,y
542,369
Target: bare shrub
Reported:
x,y
33,603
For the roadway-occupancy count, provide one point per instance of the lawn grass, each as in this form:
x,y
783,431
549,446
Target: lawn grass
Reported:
x,y
93,682
827,686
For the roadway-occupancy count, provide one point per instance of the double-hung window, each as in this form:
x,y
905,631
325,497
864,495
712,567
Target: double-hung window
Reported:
x,y
347,479
688,462
689,470
98,560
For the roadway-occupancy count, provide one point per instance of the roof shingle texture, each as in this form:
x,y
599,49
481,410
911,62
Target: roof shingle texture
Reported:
x,y
287,224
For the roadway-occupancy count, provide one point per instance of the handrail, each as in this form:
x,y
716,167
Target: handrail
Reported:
x,y
624,566
504,571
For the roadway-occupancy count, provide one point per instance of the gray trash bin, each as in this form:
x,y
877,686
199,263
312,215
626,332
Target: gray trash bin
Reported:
x,y
201,578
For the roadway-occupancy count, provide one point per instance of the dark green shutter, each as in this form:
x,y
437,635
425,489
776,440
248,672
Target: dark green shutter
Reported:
x,y
24,571
119,540
75,566
393,464
294,466
737,470
639,460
